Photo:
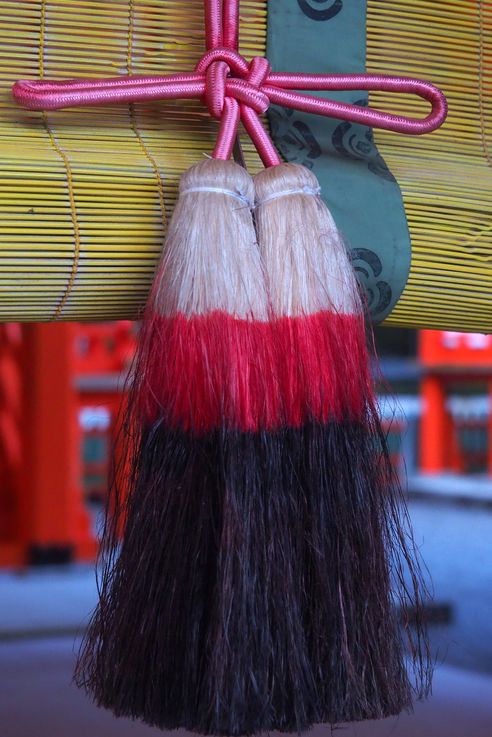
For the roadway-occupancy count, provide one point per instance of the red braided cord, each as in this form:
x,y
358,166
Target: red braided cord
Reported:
x,y
233,88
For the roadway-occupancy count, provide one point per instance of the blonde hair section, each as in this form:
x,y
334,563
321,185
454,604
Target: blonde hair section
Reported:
x,y
211,259
305,258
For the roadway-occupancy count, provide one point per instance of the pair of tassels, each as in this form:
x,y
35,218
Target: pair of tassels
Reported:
x,y
264,531
256,572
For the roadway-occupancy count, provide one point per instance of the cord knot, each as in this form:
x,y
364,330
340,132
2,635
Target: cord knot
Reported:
x,y
229,75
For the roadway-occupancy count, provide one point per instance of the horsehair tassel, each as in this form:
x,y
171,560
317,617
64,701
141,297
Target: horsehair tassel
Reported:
x,y
264,541
181,622
354,532
182,637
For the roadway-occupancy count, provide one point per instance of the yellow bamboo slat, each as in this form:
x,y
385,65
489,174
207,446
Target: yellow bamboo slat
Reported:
x,y
85,194
445,177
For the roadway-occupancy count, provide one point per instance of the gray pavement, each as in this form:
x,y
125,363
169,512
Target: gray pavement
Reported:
x,y
472,489
37,699
46,601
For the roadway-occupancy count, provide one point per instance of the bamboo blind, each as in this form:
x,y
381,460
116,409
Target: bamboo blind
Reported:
x,y
445,177
85,194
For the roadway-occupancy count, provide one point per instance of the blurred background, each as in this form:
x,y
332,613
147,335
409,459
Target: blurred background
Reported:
x,y
60,389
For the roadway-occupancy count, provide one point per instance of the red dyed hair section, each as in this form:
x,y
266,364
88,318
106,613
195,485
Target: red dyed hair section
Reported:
x,y
210,371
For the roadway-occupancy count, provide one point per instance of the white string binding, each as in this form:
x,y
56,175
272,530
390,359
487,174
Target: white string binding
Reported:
x,y
310,191
219,190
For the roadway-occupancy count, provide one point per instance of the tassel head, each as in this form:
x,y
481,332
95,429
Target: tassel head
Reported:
x,y
206,354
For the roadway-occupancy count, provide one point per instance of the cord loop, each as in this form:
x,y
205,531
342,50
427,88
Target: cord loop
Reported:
x,y
227,74
235,90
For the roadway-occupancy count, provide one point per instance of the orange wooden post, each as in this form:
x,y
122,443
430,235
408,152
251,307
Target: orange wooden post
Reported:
x,y
434,428
489,464
55,522
450,356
